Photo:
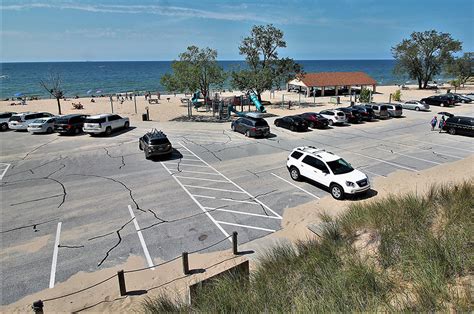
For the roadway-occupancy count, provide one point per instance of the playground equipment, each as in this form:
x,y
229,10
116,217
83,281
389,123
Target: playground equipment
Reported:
x,y
252,98
256,102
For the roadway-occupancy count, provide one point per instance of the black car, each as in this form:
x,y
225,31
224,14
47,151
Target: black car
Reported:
x,y
315,120
251,127
293,123
438,100
459,98
70,123
155,143
367,114
353,115
459,125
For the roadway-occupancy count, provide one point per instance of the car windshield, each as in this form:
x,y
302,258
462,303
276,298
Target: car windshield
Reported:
x,y
62,121
40,121
159,141
95,120
15,118
340,166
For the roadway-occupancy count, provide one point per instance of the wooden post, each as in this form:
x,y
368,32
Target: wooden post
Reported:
x,y
121,280
234,243
135,100
185,263
390,98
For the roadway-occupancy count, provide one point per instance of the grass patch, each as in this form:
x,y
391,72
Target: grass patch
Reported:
x,y
423,261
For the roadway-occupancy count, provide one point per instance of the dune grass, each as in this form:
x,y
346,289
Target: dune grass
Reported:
x,y
423,254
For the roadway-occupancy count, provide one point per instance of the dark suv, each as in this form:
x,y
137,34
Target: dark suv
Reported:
x,y
70,123
353,115
439,100
315,120
251,126
155,143
293,123
460,125
366,113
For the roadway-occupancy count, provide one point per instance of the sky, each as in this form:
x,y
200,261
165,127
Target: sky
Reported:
x,y
139,30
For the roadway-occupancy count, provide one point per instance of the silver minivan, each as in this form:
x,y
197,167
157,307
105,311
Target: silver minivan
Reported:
x,y
380,110
394,110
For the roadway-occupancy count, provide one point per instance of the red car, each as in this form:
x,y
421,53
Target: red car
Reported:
x,y
315,120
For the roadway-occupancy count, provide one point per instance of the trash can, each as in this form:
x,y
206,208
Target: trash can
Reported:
x,y
144,117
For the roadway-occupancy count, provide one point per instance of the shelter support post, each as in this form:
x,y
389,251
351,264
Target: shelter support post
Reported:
x,y
322,91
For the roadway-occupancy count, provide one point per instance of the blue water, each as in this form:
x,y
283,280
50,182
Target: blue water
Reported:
x,y
111,77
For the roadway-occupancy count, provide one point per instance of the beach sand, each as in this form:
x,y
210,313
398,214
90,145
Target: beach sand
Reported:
x,y
171,107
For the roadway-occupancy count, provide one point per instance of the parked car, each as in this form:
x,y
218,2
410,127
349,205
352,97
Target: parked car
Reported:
x,y
415,105
394,110
105,124
4,117
42,125
438,100
155,143
458,98
352,115
315,120
252,125
366,113
20,121
459,125
70,123
470,96
334,116
293,123
380,110
328,170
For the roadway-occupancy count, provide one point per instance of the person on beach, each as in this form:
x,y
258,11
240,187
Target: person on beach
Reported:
x,y
433,123
442,122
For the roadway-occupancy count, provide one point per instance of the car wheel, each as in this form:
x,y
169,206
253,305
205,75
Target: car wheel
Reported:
x,y
140,146
147,156
277,123
49,130
292,128
76,131
442,104
331,122
247,133
4,126
108,131
126,125
417,108
336,191
452,131
232,127
311,125
295,174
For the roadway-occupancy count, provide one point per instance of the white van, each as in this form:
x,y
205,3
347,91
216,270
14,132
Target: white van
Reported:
x,y
4,117
20,121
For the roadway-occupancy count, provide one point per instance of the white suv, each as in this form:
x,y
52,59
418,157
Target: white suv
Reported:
x,y
4,117
20,121
105,123
334,116
327,169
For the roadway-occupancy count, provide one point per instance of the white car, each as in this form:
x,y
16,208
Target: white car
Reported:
x,y
327,169
415,105
105,124
334,116
4,117
20,121
42,125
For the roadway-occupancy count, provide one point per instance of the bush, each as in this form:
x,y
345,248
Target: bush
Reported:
x,y
397,96
365,95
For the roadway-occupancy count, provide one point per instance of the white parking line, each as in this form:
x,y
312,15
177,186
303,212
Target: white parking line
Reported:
x,y
189,159
201,179
142,240
199,172
245,226
204,196
441,145
182,164
309,193
52,277
4,169
241,213
235,184
375,174
421,159
385,162
198,204
208,188
239,201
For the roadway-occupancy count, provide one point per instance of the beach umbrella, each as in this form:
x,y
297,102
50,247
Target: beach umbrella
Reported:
x,y
18,94
89,91
98,91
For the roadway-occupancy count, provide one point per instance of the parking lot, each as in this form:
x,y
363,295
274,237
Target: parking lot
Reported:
x,y
81,203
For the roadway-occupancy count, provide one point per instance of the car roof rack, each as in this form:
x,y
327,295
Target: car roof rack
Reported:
x,y
155,131
312,150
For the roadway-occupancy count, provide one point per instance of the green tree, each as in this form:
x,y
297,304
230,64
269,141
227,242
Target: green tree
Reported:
x,y
265,69
397,95
455,83
461,68
424,55
53,86
196,69
365,95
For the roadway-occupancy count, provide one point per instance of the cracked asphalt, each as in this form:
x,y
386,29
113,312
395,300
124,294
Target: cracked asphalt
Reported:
x,y
216,182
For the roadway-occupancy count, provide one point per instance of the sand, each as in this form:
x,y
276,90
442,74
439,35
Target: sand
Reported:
x,y
170,279
170,106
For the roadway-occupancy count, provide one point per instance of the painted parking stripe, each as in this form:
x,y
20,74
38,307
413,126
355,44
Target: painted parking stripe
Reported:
x,y
235,184
386,162
52,276
182,164
198,204
201,179
405,155
245,226
204,196
241,213
441,145
4,169
142,240
291,183
199,172
239,201
213,189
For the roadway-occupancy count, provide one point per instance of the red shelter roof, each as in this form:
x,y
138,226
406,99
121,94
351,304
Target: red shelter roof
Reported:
x,y
337,79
